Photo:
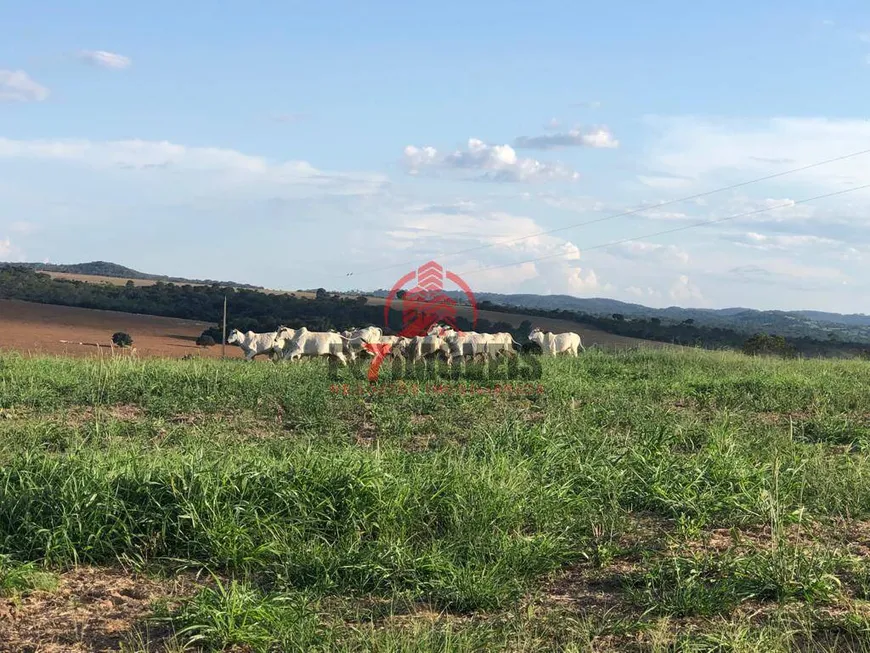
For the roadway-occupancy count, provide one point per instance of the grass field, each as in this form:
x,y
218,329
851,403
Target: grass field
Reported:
x,y
650,500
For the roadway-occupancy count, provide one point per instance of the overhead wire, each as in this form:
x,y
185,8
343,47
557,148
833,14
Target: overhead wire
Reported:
x,y
620,215
670,231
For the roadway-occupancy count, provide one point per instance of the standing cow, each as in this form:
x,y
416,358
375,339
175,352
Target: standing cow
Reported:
x,y
303,342
552,344
255,344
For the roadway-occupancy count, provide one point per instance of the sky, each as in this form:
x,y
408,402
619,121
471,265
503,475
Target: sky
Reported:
x,y
343,144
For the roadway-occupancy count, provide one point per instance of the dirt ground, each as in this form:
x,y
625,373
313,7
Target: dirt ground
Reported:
x,y
93,609
40,329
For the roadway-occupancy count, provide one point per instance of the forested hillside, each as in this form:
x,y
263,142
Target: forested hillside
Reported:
x,y
106,269
258,311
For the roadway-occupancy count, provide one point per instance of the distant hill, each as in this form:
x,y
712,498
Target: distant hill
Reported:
x,y
107,269
812,324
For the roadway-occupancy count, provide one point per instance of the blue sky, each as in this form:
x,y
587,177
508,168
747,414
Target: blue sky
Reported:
x,y
287,144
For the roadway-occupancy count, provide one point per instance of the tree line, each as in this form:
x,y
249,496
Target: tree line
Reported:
x,y
257,311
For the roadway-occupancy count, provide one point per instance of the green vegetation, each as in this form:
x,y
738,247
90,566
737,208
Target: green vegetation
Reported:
x,y
249,309
19,578
645,500
121,339
258,311
106,269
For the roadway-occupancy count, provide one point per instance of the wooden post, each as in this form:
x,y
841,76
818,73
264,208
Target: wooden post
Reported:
x,y
224,340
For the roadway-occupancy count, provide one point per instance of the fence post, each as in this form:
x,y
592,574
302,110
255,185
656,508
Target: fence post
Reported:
x,y
224,339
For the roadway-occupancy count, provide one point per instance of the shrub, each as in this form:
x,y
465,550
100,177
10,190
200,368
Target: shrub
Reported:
x,y
205,341
122,339
771,345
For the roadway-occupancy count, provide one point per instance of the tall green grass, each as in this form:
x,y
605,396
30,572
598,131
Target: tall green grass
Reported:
x,y
464,502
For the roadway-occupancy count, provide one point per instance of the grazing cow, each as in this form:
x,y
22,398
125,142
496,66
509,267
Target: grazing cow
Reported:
x,y
471,343
398,345
501,343
356,339
310,343
254,344
423,347
552,344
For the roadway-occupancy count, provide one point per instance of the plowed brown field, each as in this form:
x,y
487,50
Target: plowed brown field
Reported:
x,y
41,328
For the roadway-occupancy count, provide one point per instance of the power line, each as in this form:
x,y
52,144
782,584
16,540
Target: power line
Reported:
x,y
623,214
674,230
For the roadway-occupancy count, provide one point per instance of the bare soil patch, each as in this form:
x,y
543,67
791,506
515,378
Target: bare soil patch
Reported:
x,y
93,609
38,329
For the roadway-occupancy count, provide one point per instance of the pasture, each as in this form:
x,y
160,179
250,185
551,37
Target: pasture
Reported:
x,y
642,500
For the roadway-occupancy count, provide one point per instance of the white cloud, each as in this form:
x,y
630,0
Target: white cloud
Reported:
x,y
9,252
664,182
580,283
23,228
782,242
499,279
103,59
600,137
639,250
685,291
640,292
721,151
552,123
786,272
656,214
155,156
490,162
591,104
17,86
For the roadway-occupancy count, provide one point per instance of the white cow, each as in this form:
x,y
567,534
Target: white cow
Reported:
x,y
552,344
254,344
422,347
398,344
501,343
356,338
473,344
310,343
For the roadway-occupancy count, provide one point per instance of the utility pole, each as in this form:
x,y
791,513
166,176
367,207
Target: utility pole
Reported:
x,y
224,339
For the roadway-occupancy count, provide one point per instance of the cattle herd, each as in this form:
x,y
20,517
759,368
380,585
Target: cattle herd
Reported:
x,y
440,341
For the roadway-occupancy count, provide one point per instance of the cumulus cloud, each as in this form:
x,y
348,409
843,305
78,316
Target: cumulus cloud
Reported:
x,y
103,59
643,292
600,137
17,86
500,251
9,252
484,161
583,283
685,291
